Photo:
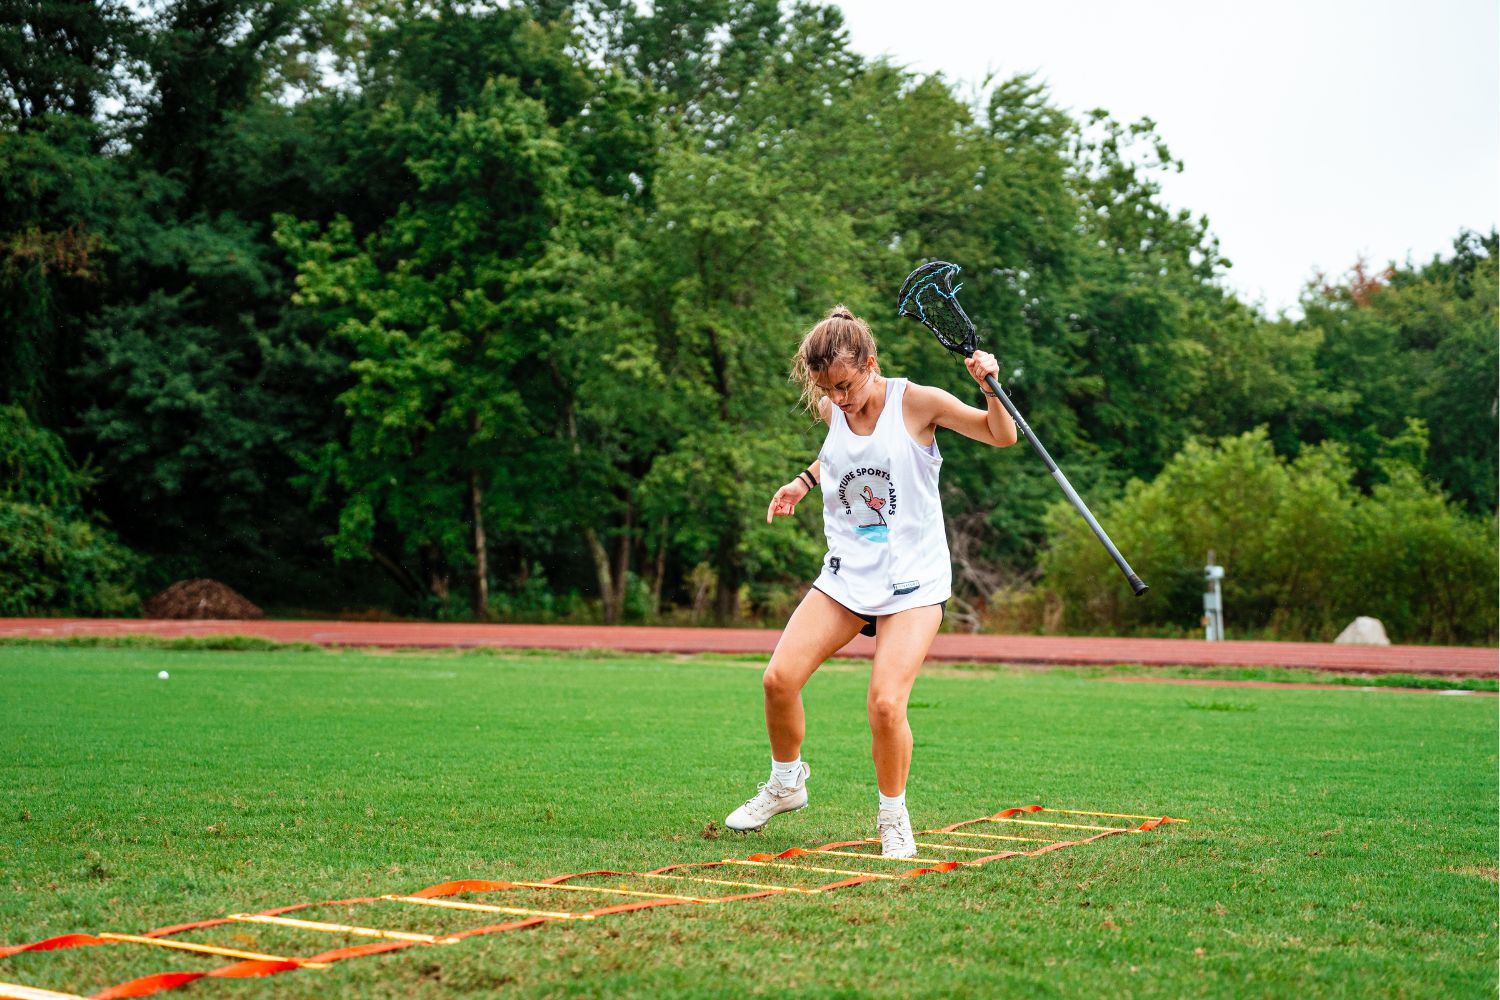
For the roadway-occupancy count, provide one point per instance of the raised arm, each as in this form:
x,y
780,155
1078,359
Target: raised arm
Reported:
x,y
940,408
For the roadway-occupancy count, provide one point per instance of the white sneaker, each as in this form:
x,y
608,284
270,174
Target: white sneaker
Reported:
x,y
896,840
773,797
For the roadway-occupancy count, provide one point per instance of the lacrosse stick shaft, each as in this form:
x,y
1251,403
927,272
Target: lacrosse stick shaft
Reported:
x,y
1136,583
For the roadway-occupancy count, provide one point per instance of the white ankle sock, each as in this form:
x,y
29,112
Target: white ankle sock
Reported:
x,y
896,802
788,773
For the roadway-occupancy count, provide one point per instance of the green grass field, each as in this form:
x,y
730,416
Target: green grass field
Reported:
x,y
1341,843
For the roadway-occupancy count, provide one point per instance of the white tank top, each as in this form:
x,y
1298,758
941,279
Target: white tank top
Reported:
x,y
887,550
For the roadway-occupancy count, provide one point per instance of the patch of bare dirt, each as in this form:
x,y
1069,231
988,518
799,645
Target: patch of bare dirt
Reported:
x,y
1493,874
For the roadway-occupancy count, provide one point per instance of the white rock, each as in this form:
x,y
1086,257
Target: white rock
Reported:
x,y
1364,631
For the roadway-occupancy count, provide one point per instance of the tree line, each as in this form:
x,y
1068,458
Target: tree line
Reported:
x,y
482,309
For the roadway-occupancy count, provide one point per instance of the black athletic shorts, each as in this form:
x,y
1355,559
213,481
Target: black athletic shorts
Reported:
x,y
870,620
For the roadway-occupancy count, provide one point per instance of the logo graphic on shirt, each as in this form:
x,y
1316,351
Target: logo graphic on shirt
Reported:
x,y
869,496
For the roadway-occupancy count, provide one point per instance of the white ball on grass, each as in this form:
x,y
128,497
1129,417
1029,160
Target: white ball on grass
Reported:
x,y
162,675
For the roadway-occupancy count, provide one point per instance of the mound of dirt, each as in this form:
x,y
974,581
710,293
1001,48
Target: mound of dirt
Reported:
x,y
200,599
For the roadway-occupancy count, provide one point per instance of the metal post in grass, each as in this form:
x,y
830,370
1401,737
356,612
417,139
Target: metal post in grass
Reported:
x,y
1213,601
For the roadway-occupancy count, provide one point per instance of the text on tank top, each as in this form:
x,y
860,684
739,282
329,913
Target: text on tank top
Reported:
x,y
882,516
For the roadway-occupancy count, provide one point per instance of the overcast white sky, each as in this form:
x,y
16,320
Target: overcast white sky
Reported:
x,y
1313,132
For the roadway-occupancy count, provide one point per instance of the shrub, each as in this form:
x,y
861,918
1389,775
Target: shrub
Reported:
x,y
54,556
1429,568
1303,550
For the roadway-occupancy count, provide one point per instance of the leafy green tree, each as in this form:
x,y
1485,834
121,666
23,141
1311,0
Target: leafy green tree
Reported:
x,y
434,307
1141,270
1414,342
60,62
194,395
1258,372
59,212
138,317
1091,292
1448,313
730,253
784,188
55,556
62,58
209,61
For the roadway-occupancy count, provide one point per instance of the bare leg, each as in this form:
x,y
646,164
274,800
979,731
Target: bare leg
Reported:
x,y
901,644
818,628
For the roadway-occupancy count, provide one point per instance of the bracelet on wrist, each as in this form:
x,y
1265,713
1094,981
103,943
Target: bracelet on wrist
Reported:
x,y
807,478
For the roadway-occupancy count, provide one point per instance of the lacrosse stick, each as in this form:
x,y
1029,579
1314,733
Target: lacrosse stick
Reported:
x,y
929,297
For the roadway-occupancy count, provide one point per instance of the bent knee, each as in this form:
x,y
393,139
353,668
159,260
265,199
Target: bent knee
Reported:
x,y
779,683
886,711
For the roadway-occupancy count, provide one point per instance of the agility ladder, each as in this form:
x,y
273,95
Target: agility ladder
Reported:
x,y
254,963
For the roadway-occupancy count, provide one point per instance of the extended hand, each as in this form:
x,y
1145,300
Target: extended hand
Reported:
x,y
784,503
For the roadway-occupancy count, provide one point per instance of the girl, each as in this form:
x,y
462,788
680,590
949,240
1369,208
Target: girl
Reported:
x,y
886,573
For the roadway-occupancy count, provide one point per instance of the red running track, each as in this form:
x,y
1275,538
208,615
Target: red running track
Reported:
x,y
1449,661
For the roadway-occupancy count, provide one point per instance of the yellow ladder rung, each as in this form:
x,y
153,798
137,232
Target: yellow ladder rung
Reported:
x,y
209,949
938,847
454,904
318,925
1070,826
15,991
984,836
805,868
720,881
1079,812
616,892
877,857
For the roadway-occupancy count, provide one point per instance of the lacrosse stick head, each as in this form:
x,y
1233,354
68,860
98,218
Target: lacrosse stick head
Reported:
x,y
929,296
